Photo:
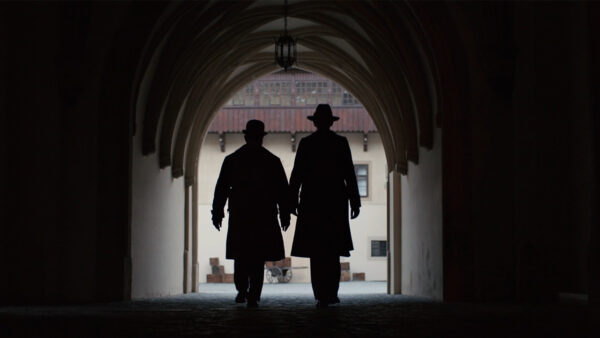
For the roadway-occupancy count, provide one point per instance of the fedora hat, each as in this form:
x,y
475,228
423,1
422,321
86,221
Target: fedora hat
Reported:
x,y
255,128
323,112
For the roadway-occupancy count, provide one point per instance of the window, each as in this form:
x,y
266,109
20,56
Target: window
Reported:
x,y
322,92
275,91
349,100
270,93
286,94
378,248
249,93
336,94
300,93
362,178
237,99
311,93
244,97
263,94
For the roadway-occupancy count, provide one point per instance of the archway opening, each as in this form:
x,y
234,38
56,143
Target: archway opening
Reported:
x,y
283,100
191,71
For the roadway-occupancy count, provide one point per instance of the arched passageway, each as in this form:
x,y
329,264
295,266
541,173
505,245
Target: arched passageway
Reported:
x,y
283,100
191,69
488,113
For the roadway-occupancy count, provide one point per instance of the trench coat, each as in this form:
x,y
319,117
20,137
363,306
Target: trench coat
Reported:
x,y
254,182
324,174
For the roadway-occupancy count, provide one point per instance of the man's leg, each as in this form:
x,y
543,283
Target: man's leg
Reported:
x,y
316,276
256,273
240,278
333,275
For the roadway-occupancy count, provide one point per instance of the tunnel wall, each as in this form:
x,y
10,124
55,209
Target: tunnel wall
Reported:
x,y
48,244
519,154
65,98
64,92
554,153
157,218
157,228
422,263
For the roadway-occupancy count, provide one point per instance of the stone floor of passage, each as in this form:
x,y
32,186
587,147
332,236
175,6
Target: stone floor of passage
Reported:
x,y
288,310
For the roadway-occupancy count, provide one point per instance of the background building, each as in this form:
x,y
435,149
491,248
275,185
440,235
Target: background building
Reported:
x,y
283,100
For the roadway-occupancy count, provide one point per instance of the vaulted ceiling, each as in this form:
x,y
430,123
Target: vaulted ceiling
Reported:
x,y
202,52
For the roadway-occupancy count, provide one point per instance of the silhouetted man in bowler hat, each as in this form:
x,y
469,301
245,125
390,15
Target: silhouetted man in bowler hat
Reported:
x,y
254,181
324,175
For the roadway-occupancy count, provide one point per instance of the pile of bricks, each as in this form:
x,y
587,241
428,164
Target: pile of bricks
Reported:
x,y
218,274
284,263
358,276
345,275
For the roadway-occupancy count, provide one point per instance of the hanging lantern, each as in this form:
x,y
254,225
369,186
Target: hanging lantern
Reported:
x,y
285,52
285,47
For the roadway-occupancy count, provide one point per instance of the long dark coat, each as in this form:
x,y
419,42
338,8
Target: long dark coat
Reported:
x,y
255,183
324,174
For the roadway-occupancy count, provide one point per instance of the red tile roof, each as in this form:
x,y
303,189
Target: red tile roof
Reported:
x,y
290,120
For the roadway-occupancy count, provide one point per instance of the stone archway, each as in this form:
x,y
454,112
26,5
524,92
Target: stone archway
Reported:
x,y
485,72
286,126
202,53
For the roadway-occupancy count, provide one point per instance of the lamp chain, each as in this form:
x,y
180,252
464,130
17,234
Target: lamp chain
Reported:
x,y
285,17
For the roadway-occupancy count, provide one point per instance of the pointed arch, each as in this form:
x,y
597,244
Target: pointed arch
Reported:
x,y
201,54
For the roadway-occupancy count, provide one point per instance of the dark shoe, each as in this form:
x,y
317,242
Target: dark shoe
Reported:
x,y
322,304
240,298
252,304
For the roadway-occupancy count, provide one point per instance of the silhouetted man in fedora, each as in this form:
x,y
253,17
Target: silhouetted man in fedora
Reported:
x,y
324,174
254,181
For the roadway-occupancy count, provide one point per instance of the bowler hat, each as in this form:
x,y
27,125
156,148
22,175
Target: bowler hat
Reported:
x,y
254,128
323,112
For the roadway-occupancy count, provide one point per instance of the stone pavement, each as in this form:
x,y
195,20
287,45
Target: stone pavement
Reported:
x,y
288,310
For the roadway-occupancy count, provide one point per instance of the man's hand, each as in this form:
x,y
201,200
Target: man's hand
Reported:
x,y
217,219
217,223
354,213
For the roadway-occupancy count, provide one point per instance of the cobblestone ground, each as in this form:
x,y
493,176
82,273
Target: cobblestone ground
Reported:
x,y
288,310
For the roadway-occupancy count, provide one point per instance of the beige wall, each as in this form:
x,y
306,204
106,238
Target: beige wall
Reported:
x,y
371,224
422,261
157,227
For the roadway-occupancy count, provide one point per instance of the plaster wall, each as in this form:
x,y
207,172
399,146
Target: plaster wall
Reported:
x,y
422,269
65,192
371,223
554,200
157,227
